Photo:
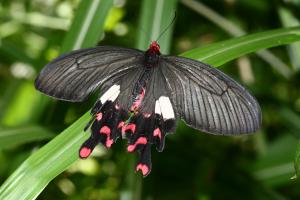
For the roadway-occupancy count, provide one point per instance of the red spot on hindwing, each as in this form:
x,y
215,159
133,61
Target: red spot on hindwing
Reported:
x,y
157,133
99,116
127,127
121,124
141,140
144,168
85,152
109,142
106,130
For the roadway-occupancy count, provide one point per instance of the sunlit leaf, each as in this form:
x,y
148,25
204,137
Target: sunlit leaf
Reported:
x,y
10,137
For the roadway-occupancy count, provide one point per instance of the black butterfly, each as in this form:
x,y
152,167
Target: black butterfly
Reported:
x,y
143,94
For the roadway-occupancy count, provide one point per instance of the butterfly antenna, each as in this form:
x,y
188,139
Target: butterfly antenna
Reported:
x,y
145,33
162,33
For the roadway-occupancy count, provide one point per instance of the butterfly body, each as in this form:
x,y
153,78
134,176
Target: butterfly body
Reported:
x,y
143,94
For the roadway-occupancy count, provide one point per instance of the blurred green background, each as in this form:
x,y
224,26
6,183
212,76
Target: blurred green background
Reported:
x,y
193,165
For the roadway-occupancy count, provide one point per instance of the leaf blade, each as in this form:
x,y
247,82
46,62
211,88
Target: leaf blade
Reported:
x,y
219,53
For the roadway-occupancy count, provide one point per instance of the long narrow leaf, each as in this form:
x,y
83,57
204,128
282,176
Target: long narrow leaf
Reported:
x,y
235,30
39,169
88,24
222,52
297,160
10,137
153,22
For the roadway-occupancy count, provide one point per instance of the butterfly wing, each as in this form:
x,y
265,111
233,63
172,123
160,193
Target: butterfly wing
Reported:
x,y
208,100
74,76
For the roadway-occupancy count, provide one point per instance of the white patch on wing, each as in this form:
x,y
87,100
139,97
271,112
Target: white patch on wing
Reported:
x,y
166,108
111,94
157,108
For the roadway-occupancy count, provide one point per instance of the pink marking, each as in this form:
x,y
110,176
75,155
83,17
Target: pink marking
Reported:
x,y
130,127
121,124
147,115
99,116
109,142
154,47
117,107
141,140
136,104
85,152
144,168
157,133
106,130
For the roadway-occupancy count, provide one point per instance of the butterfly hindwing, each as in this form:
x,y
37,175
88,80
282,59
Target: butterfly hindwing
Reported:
x,y
74,76
208,100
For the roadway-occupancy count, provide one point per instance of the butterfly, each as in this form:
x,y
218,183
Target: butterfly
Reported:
x,y
144,94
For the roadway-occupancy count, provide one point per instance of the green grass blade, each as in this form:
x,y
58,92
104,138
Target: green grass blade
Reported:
x,y
45,164
10,137
157,15
222,52
276,171
40,168
297,161
235,30
88,24
288,20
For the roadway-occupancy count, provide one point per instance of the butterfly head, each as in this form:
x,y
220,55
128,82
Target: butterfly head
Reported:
x,y
154,47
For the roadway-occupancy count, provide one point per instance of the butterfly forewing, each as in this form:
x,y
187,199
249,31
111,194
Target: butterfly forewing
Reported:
x,y
75,75
209,100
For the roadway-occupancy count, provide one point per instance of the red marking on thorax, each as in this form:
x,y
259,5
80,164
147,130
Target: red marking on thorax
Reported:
x,y
154,47
141,140
85,152
144,168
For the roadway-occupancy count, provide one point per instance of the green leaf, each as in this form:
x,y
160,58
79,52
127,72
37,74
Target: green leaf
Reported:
x,y
154,21
288,20
276,171
88,24
40,168
297,161
219,53
235,29
45,164
10,137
